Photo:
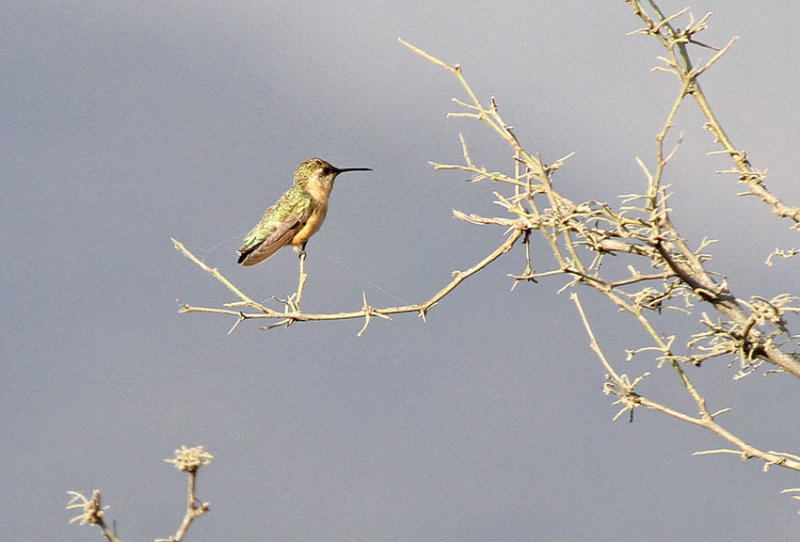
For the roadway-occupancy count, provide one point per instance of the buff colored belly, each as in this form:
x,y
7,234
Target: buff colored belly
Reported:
x,y
311,227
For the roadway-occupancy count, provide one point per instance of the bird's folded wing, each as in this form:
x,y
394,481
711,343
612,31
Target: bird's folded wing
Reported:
x,y
258,247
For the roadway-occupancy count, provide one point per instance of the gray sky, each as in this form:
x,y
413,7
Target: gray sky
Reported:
x,y
127,123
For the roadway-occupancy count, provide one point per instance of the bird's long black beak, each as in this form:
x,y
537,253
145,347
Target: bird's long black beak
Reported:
x,y
342,170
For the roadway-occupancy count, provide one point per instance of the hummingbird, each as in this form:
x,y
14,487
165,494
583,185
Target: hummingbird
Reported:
x,y
296,216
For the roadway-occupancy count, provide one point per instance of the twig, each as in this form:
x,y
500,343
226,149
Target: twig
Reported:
x,y
592,340
217,275
653,236
366,312
186,459
189,460
625,391
92,513
675,43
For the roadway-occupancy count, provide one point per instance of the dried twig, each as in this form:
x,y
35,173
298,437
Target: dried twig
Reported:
x,y
186,459
293,314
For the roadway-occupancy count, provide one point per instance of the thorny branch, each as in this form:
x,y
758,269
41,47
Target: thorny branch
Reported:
x,y
186,459
655,269
621,387
676,41
91,513
641,230
290,315
642,227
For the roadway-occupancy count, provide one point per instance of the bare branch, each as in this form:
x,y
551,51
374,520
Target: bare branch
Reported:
x,y
186,459
92,512
675,43
293,314
189,460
